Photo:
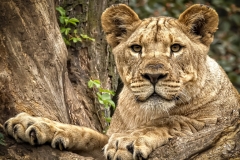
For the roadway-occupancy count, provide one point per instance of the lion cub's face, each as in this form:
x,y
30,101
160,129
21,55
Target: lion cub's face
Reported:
x,y
158,58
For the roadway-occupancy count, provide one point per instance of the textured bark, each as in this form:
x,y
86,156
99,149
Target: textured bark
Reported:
x,y
89,60
217,142
42,77
33,60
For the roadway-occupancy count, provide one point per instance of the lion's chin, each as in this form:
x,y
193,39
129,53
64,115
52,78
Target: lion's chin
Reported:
x,y
157,103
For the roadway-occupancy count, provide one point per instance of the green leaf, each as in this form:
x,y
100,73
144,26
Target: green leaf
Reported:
x,y
100,101
67,31
62,29
95,83
79,39
100,98
86,37
108,119
61,11
73,21
75,31
75,40
90,84
112,103
66,20
106,96
99,95
106,91
62,19
66,41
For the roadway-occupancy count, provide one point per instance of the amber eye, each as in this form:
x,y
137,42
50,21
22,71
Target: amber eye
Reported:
x,y
136,48
176,47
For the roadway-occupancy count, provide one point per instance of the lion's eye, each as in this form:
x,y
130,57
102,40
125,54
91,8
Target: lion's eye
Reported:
x,y
176,47
136,48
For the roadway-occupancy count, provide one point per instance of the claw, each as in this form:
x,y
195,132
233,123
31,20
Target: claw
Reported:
x,y
59,145
109,157
33,136
119,158
139,156
117,145
6,126
15,129
130,148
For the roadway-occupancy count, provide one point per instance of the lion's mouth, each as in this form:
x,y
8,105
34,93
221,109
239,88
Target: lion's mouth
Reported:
x,y
156,96
158,102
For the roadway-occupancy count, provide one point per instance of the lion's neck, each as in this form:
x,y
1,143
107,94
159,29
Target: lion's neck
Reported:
x,y
130,114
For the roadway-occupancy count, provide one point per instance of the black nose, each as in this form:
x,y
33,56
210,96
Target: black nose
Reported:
x,y
154,78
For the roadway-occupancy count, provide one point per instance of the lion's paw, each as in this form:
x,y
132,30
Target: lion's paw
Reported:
x,y
25,128
60,141
40,133
127,147
17,126
39,130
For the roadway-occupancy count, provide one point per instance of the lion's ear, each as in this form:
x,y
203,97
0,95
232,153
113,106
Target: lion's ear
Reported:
x,y
201,20
118,22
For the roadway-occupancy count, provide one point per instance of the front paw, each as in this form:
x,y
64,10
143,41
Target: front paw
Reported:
x,y
17,126
127,147
40,133
142,147
61,141
25,128
117,147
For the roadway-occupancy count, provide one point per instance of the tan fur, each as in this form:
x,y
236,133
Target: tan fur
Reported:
x,y
166,93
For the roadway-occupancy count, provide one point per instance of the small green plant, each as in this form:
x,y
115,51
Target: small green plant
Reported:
x,y
65,28
2,142
104,97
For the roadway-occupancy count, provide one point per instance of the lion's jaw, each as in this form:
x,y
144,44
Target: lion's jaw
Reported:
x,y
156,103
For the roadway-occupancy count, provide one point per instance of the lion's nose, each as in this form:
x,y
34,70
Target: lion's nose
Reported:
x,y
154,78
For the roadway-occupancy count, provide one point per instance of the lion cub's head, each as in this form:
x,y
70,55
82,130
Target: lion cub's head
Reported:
x,y
159,59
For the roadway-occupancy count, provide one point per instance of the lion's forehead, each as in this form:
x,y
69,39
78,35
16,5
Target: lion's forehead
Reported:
x,y
165,30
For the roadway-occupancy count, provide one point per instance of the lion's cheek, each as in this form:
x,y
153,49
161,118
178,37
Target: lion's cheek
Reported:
x,y
188,75
128,78
126,74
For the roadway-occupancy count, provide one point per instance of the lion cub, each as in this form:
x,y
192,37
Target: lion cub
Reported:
x,y
171,86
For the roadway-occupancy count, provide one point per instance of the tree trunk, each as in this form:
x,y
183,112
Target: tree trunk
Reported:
x,y
218,142
40,76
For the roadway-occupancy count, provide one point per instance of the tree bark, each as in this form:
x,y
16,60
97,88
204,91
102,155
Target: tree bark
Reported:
x,y
42,77
218,142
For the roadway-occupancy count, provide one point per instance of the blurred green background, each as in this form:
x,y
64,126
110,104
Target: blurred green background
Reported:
x,y
226,45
